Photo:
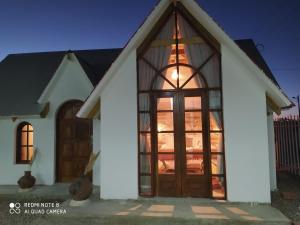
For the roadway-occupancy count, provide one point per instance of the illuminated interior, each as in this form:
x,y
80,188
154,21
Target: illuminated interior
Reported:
x,y
179,59
26,142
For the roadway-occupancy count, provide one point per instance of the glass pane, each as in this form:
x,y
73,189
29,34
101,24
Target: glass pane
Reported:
x,y
165,142
171,75
25,128
30,138
165,104
164,121
146,76
192,103
30,128
145,164
144,102
23,153
193,142
211,72
193,121
184,74
30,153
217,166
166,163
215,121
24,138
215,100
216,142
161,83
144,122
145,182
218,186
194,164
195,82
145,142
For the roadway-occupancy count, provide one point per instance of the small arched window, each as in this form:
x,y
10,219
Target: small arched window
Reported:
x,y
24,143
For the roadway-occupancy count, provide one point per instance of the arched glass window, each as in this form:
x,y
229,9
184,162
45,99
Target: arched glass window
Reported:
x,y
24,143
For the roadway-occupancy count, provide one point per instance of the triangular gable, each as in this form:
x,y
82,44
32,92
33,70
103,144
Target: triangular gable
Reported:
x,y
210,25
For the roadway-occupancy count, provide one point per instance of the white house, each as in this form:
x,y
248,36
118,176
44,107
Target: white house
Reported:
x,y
181,111
186,112
41,94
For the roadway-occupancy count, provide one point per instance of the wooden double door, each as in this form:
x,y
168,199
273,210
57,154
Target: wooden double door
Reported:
x,y
73,142
182,154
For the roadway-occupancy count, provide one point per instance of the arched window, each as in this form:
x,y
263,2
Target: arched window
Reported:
x,y
24,143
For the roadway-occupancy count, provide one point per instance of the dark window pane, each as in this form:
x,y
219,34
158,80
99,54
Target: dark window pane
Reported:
x,y
144,102
144,122
145,164
215,119
215,100
145,184
145,142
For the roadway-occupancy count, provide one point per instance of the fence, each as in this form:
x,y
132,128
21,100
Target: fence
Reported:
x,y
287,144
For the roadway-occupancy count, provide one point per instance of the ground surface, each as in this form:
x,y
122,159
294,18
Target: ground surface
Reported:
x,y
290,208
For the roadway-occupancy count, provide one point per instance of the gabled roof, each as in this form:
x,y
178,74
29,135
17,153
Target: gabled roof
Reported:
x,y
249,47
272,89
23,77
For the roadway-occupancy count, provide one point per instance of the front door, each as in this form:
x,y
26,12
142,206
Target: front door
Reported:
x,y
74,143
182,151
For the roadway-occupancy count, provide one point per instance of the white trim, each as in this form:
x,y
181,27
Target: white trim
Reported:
x,y
200,15
47,91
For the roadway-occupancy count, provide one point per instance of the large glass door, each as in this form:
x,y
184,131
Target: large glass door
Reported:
x,y
182,159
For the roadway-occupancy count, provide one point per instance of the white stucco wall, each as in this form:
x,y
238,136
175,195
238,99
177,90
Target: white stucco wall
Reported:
x,y
246,133
71,83
272,155
119,179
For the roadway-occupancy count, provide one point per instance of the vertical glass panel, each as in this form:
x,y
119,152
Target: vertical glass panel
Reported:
x,y
145,182
145,164
24,138
30,138
30,127
146,76
215,100
216,142
193,142
195,82
194,164
192,103
166,164
145,142
144,102
164,121
217,164
211,72
193,121
144,122
24,153
165,104
25,128
165,142
218,187
215,121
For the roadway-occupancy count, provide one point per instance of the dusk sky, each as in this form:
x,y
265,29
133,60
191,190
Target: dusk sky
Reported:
x,y
42,25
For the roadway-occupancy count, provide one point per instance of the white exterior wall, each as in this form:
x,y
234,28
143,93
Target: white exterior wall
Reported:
x,y
272,156
70,83
119,167
245,132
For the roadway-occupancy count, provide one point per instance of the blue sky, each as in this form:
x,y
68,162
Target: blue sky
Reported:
x,y
42,25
